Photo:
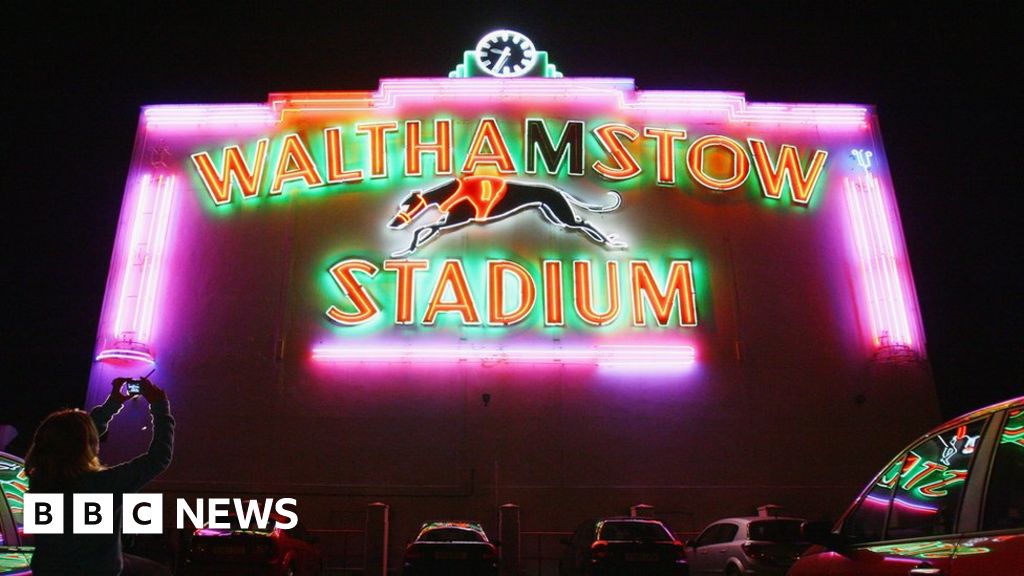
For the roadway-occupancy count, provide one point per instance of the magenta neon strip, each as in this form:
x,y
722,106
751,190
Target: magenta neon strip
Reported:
x,y
902,504
171,115
140,278
882,268
130,355
654,356
621,91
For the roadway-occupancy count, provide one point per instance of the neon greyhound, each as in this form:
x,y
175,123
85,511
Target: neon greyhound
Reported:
x,y
483,199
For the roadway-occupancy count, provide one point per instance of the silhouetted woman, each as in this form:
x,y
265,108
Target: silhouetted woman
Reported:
x,y
64,458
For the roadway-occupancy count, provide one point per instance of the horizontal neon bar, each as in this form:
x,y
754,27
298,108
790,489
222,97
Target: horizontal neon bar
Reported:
x,y
602,355
120,354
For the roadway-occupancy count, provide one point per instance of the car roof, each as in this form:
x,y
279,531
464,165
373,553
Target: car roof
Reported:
x,y
1013,402
749,519
463,524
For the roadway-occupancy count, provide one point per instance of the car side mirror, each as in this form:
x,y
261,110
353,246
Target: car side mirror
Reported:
x,y
820,533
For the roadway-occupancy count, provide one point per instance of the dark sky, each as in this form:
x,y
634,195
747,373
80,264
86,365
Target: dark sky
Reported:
x,y
939,74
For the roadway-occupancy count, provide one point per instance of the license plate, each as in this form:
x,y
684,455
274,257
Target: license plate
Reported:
x,y
641,557
450,555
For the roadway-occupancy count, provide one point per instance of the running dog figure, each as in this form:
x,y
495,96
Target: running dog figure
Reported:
x,y
483,199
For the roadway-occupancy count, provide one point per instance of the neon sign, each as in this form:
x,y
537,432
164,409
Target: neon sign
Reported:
x,y
271,164
671,302
512,206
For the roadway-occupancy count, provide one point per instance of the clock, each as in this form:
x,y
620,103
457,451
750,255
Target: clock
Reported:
x,y
505,54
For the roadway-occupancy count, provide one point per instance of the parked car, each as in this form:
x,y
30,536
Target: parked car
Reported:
x,y
623,546
15,546
451,549
950,504
749,545
238,551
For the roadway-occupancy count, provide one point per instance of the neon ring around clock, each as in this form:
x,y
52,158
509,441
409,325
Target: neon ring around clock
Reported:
x,y
505,54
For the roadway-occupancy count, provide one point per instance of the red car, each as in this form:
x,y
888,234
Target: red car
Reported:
x,y
951,504
252,552
623,546
451,549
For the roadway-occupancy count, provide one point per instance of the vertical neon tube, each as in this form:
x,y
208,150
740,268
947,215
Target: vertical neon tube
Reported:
x,y
140,277
882,269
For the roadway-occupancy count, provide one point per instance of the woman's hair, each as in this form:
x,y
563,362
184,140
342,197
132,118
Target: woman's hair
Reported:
x,y
66,445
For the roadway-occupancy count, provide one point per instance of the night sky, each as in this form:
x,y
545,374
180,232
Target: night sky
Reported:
x,y
940,77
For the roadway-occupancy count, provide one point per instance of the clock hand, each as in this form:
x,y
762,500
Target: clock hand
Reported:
x,y
496,51
504,58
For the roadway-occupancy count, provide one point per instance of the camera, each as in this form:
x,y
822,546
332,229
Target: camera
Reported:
x,y
133,387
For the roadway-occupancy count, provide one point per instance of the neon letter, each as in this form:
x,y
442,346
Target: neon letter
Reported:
x,y
441,148
585,296
678,291
405,290
294,153
336,173
378,146
665,139
452,275
366,308
553,308
233,169
773,176
496,271
570,144
740,162
488,134
625,165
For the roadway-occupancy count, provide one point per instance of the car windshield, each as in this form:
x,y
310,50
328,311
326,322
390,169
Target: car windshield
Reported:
x,y
630,531
451,535
775,530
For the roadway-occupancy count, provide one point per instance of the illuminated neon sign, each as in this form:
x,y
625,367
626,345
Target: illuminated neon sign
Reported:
x,y
718,163
671,301
507,214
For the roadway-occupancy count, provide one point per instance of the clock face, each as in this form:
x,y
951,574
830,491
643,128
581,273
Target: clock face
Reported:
x,y
506,54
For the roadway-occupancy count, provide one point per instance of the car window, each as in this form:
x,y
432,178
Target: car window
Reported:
x,y
726,532
775,530
13,485
931,483
867,522
633,530
708,535
450,535
1004,501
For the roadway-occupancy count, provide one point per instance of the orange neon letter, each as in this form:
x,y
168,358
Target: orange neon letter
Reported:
x,y
665,148
378,146
678,291
585,297
405,290
294,163
452,275
553,308
336,173
441,148
233,169
366,308
625,165
773,176
488,135
740,162
496,271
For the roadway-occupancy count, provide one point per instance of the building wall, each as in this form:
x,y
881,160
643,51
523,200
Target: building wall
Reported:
x,y
792,399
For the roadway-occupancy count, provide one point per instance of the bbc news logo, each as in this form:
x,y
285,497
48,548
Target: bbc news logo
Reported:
x,y
144,513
